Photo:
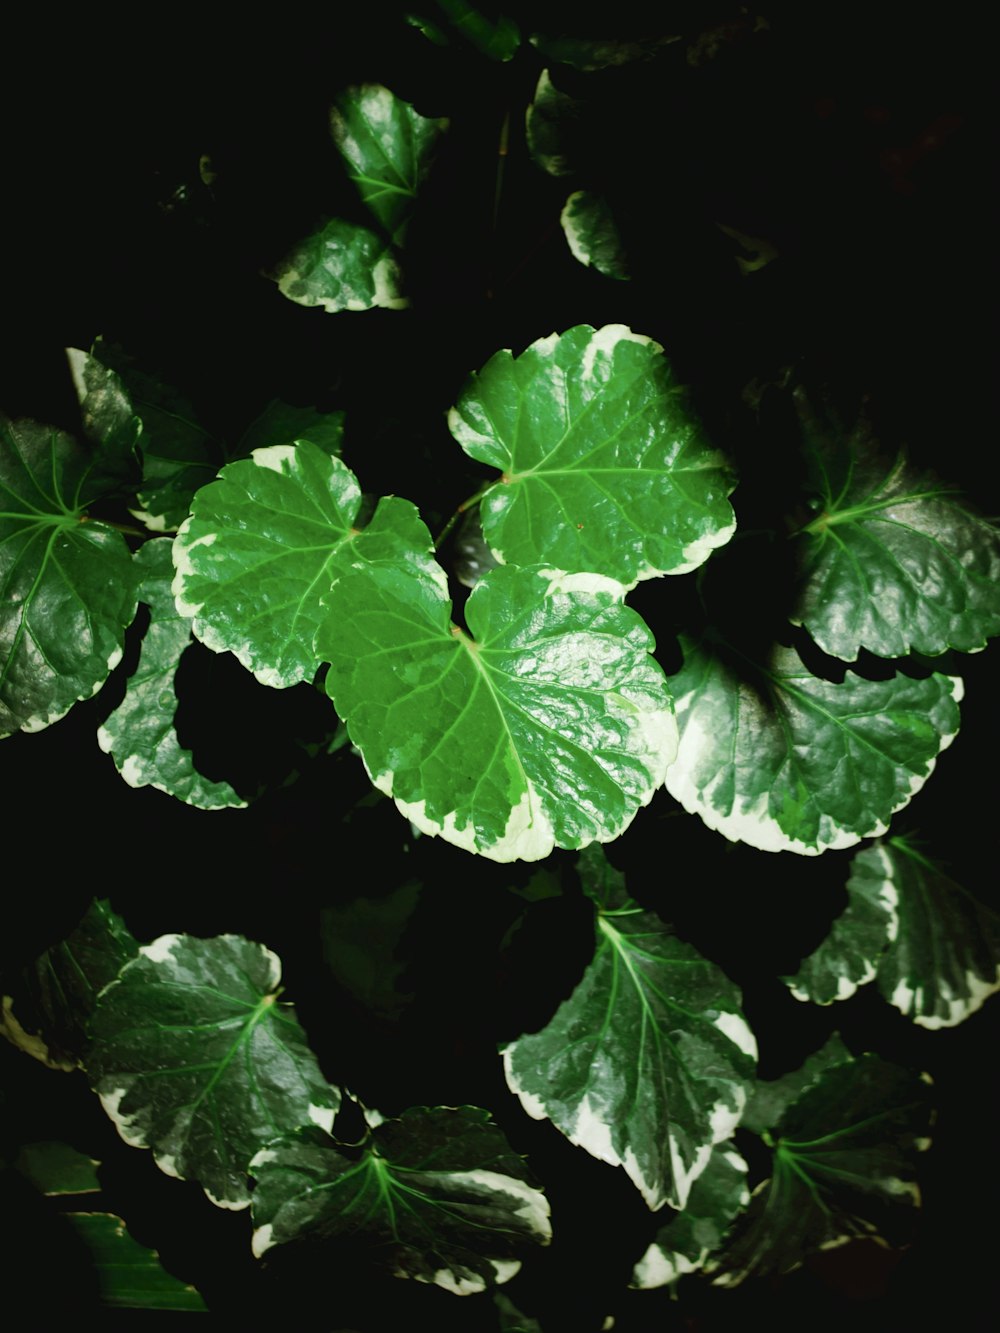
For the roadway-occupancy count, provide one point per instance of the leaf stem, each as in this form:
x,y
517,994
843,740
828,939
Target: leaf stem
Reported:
x,y
127,528
462,508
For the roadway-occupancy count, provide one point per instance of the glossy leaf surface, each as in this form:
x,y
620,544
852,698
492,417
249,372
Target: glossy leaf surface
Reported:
x,y
266,541
603,467
844,1167
691,1236
129,1275
108,418
546,724
592,234
934,948
140,734
438,1193
775,757
48,1012
896,561
194,1057
67,591
649,1062
387,148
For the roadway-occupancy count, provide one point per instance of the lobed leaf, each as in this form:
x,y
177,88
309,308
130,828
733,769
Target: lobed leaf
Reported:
x,y
775,757
603,467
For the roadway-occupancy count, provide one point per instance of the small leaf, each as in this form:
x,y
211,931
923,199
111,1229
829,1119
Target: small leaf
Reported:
x,y
555,129
603,467
57,992
58,1169
109,422
511,1318
67,591
691,1237
193,1057
777,758
387,148
266,541
547,724
844,1166
592,234
649,1062
140,734
593,53
498,40
438,1193
360,943
895,562
178,454
771,1098
129,1275
284,423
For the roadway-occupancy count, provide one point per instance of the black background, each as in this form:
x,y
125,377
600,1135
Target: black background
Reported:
x,y
858,143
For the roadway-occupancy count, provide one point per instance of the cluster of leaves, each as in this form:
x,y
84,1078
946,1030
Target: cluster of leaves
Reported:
x,y
529,717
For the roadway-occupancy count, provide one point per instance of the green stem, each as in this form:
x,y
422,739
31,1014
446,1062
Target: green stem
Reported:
x,y
127,528
462,508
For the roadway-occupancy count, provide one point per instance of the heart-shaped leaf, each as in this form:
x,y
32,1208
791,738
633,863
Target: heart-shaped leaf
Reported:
x,y
603,467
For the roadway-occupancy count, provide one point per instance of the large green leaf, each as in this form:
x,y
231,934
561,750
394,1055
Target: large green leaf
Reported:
x,y
603,466
67,591
546,724
771,1098
592,234
775,757
438,1193
649,1062
129,1275
264,543
178,454
194,1057
52,1001
895,561
688,1240
933,947
387,148
844,1167
140,733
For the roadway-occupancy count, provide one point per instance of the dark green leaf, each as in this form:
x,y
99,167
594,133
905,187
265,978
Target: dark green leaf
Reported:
x,y
57,993
511,1318
692,1236
360,942
547,724
193,1056
844,1167
267,540
592,234
497,39
603,467
129,1275
109,421
439,1194
555,129
58,1169
284,423
67,591
895,562
593,53
771,1098
140,734
649,1062
775,757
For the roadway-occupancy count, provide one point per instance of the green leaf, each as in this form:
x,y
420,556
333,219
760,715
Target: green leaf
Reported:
x,y
109,421
895,562
56,994
267,540
387,149
934,948
692,1236
499,40
603,467
844,1167
129,1275
546,724
284,423
57,1169
771,1098
178,454
849,955
67,591
649,1062
593,53
511,1318
438,1193
592,234
193,1057
140,734
774,757
360,943
555,128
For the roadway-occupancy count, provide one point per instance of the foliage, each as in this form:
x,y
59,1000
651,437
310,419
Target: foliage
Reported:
x,y
629,567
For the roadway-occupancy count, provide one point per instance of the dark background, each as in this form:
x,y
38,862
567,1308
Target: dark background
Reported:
x,y
858,143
